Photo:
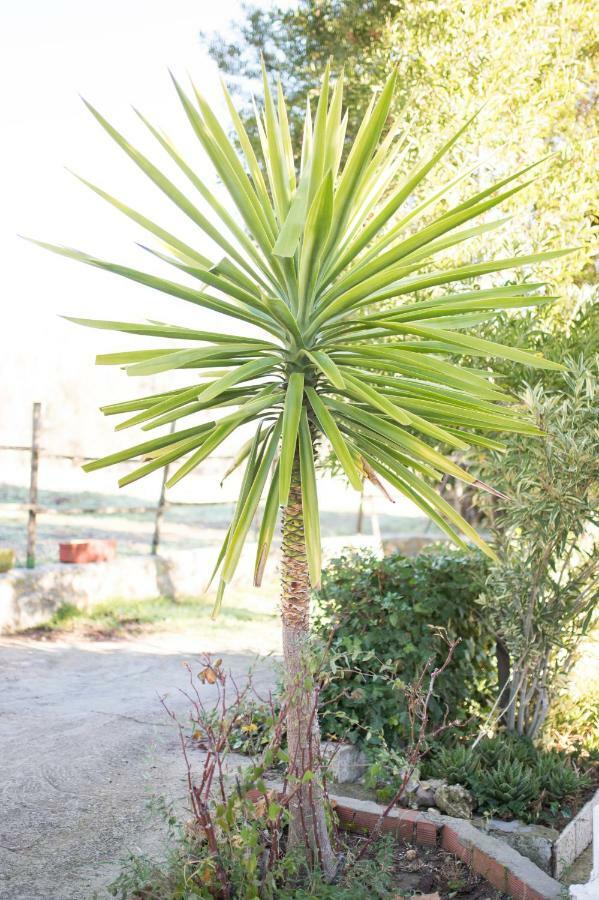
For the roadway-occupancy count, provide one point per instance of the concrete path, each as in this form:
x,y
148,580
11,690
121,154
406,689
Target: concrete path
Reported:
x,y
84,743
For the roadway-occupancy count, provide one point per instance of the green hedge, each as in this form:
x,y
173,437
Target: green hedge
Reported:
x,y
386,613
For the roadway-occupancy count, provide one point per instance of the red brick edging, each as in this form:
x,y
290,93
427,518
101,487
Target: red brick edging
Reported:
x,y
495,872
502,866
409,824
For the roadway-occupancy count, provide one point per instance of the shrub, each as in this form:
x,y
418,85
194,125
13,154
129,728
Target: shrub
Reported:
x,y
573,722
383,619
250,727
237,842
542,596
386,772
187,869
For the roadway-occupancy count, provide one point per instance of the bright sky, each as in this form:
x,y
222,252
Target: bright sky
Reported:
x,y
115,54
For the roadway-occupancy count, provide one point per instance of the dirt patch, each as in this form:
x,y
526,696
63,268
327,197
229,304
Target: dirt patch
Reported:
x,y
85,743
433,871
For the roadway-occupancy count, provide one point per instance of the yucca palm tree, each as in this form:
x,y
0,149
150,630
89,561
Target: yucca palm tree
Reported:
x,y
330,340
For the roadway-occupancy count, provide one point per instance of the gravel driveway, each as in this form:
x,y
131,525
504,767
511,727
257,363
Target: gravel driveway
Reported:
x,y
84,743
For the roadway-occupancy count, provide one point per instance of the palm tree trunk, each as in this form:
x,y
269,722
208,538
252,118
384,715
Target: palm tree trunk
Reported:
x,y
308,827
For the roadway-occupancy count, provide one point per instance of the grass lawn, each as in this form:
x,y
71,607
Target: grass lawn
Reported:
x,y
249,619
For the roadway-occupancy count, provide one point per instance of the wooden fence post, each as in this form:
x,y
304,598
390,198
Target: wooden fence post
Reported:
x,y
360,516
161,504
35,456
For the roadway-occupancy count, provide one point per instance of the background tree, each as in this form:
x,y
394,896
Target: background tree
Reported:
x,y
535,63
297,42
543,595
312,253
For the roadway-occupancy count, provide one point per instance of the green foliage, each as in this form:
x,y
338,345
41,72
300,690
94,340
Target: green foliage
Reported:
x,y
385,615
385,772
236,843
573,722
556,778
188,871
510,777
542,596
7,559
535,62
575,337
247,616
493,750
250,727
297,42
508,789
458,765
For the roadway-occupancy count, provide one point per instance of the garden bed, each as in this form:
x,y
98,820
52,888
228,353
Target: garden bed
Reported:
x,y
439,855
432,872
547,785
485,857
552,846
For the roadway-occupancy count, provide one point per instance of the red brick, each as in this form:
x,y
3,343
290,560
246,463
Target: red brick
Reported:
x,y
410,815
494,871
426,834
403,827
404,824
408,822
354,818
450,841
516,888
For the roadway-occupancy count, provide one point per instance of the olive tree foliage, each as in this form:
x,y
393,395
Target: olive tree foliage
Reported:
x,y
543,595
534,63
298,40
577,337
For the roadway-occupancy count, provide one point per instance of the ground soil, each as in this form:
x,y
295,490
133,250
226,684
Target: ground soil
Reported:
x,y
430,870
84,744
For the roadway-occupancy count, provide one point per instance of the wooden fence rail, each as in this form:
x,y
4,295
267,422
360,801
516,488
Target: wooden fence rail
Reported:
x,y
34,509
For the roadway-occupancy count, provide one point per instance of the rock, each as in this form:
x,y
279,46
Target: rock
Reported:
x,y
407,545
408,798
454,800
413,780
346,763
533,841
424,794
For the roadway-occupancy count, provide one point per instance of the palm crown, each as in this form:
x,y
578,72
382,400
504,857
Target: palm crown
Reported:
x,y
307,265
